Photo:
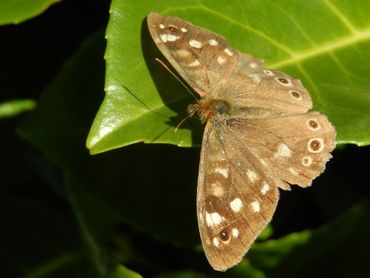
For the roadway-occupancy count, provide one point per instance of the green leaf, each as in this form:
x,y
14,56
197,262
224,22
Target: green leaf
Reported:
x,y
16,11
14,107
325,44
266,233
58,127
123,272
97,223
45,241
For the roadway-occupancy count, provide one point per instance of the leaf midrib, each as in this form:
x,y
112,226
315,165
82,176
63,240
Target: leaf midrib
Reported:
x,y
354,37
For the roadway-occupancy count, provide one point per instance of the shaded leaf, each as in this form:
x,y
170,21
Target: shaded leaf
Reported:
x,y
14,107
106,191
122,272
48,243
16,11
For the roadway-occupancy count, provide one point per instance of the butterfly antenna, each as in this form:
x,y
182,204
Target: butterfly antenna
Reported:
x,y
174,75
182,121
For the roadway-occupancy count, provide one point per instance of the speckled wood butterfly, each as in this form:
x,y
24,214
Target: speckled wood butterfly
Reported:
x,y
259,135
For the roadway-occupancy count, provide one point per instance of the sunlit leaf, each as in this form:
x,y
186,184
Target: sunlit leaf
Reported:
x,y
324,43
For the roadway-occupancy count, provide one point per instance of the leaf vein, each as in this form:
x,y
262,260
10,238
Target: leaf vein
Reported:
x,y
323,49
341,16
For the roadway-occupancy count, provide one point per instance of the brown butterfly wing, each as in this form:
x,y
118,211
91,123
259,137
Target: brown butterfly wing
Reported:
x,y
234,203
255,87
192,51
243,163
214,69
290,149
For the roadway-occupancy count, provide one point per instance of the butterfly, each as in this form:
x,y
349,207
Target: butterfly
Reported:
x,y
259,135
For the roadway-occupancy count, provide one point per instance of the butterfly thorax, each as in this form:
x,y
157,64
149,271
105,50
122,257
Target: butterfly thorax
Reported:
x,y
207,109
228,112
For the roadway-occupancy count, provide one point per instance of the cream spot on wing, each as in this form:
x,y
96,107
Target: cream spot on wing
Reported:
x,y
253,65
216,242
183,29
195,63
235,232
283,151
161,26
217,189
209,219
268,72
228,52
222,171
168,37
252,176
213,42
236,205
306,161
293,171
255,206
265,188
216,218
195,44
213,219
221,60
172,38
163,37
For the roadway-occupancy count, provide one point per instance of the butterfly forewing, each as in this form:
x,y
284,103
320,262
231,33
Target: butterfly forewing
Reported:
x,y
274,91
259,135
194,52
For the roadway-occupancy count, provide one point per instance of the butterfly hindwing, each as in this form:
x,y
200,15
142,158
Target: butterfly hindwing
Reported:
x,y
282,152
234,200
242,165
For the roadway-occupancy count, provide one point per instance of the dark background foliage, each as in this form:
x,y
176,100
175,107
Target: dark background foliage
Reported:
x,y
65,213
